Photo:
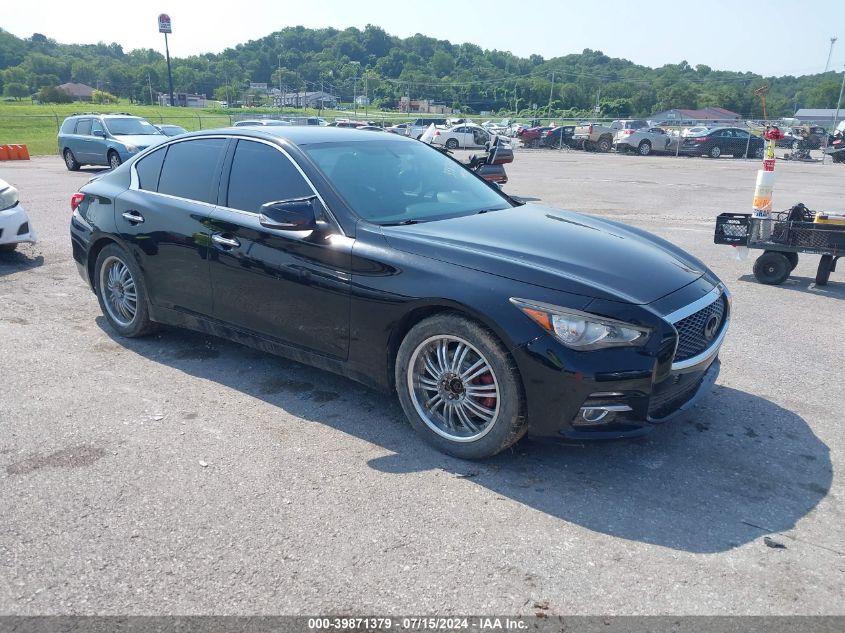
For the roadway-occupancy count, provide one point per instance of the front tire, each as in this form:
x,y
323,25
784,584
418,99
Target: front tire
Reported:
x,y
121,292
459,388
644,148
114,160
452,143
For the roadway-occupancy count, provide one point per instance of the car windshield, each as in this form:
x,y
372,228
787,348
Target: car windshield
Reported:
x,y
129,126
403,183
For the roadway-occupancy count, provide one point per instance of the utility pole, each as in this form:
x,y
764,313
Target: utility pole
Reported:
x,y
164,26
150,84
830,53
355,89
551,90
281,94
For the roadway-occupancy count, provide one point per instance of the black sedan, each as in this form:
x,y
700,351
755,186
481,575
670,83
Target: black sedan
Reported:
x,y
722,141
382,259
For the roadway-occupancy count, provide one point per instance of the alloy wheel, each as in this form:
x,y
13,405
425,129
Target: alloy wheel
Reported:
x,y
453,388
118,290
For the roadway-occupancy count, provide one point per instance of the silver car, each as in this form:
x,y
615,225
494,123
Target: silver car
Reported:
x,y
643,141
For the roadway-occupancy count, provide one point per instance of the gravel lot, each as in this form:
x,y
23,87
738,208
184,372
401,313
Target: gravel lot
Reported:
x,y
185,474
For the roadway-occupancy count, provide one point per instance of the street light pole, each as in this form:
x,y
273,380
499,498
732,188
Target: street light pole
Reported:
x,y
355,89
281,94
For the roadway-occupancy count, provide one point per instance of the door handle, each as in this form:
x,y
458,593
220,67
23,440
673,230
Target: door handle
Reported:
x,y
133,217
225,242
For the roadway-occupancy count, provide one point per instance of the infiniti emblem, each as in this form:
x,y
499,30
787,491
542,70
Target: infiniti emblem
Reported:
x,y
711,327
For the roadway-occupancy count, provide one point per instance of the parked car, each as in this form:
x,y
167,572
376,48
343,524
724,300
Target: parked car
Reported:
x,y
803,137
697,130
307,120
171,130
15,227
464,136
598,137
383,259
261,122
400,128
532,136
643,141
370,128
552,137
104,139
418,127
724,140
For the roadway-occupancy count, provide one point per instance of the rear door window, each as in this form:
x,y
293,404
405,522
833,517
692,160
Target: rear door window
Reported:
x,y
83,127
149,169
190,169
261,174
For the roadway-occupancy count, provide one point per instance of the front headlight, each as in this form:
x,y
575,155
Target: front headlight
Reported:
x,y
8,196
130,148
580,330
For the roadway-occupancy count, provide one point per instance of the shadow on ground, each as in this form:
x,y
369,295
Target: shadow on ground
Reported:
x,y
835,289
19,260
739,468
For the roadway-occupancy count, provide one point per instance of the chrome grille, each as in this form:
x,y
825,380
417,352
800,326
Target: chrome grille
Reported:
x,y
693,330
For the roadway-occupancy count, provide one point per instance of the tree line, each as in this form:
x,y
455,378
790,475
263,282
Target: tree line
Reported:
x,y
385,68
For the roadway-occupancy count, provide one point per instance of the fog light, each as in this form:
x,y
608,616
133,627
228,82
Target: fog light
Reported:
x,y
599,414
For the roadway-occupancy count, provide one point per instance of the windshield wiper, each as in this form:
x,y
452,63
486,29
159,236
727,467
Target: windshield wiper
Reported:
x,y
402,223
488,210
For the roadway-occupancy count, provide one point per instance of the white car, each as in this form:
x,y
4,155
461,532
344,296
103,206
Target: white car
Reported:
x,y
14,222
643,141
464,136
699,130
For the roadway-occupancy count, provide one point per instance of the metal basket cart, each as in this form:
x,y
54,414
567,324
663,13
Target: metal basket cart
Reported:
x,y
781,237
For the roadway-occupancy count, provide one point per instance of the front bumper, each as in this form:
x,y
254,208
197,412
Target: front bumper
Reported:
x,y
15,227
614,393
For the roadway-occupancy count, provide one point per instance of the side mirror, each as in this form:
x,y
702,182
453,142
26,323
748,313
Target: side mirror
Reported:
x,y
99,133
299,214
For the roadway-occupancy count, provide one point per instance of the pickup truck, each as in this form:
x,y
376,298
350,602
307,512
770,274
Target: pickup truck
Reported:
x,y
594,136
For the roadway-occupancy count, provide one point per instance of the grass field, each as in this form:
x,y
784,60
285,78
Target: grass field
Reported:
x,y
37,125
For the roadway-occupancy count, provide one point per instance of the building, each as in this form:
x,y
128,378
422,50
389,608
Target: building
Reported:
x,y
423,105
317,99
362,100
681,116
79,92
819,116
184,100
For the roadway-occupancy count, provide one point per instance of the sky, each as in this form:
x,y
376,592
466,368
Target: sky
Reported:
x,y
770,37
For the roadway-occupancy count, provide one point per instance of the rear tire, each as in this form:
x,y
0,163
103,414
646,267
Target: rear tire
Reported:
x,y
758,153
8,248
604,144
70,161
772,268
122,294
715,152
452,143
470,426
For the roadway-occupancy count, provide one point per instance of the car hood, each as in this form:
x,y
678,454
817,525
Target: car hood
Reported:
x,y
141,140
560,250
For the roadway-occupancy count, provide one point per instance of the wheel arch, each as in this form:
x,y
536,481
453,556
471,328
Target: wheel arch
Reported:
x,y
432,308
94,251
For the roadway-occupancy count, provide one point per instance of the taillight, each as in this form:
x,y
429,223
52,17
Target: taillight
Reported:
x,y
700,139
75,200
627,132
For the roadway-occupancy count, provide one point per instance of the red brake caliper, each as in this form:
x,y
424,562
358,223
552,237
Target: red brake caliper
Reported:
x,y
485,379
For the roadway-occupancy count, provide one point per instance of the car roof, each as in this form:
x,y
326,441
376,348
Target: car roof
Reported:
x,y
106,115
301,134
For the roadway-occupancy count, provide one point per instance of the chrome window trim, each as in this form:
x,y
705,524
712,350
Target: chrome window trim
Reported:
x,y
134,180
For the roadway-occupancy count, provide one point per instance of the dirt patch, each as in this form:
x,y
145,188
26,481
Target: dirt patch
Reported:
x,y
73,457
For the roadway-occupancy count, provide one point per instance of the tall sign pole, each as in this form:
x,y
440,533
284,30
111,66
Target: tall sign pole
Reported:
x,y
164,26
